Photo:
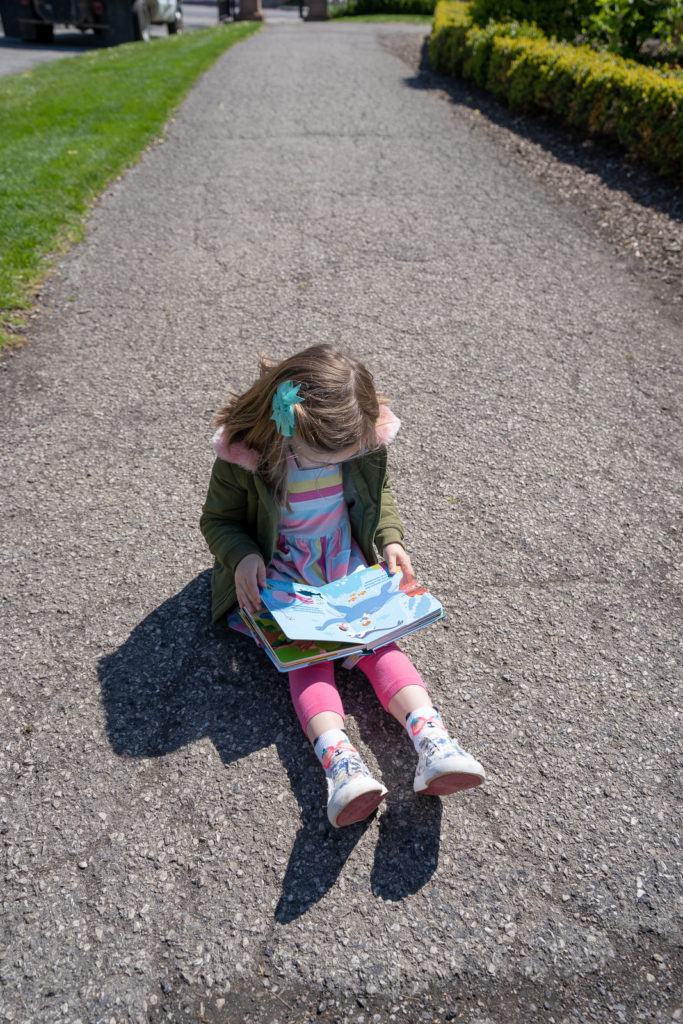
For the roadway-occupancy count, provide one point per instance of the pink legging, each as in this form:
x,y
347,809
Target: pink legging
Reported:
x,y
313,688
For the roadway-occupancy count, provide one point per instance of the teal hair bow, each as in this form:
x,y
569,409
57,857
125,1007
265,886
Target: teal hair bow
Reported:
x,y
284,399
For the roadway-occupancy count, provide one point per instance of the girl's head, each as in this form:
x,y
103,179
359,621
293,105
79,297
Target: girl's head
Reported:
x,y
335,415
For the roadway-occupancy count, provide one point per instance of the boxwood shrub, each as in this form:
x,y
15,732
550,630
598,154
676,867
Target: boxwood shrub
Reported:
x,y
560,18
641,107
641,29
357,7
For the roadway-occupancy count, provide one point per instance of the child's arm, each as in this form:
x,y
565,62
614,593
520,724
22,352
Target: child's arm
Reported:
x,y
225,518
389,534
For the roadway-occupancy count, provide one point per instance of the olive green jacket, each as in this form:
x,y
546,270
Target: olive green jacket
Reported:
x,y
241,516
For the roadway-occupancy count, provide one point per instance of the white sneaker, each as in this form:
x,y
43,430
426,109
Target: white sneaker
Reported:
x,y
444,767
353,794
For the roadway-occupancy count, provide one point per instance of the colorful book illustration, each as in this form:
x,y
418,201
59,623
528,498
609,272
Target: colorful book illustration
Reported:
x,y
300,624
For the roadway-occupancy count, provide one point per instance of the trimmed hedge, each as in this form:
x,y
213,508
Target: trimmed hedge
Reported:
x,y
561,18
640,107
358,7
619,26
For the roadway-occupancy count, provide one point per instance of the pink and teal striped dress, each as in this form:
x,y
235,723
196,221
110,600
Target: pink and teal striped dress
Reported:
x,y
315,544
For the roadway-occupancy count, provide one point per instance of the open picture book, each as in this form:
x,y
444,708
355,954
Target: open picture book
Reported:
x,y
300,624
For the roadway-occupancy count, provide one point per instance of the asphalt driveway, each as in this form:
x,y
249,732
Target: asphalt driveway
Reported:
x,y
167,854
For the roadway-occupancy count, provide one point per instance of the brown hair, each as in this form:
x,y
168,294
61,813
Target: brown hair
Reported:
x,y
338,409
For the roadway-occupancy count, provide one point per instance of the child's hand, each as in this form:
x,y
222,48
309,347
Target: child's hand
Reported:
x,y
396,557
250,574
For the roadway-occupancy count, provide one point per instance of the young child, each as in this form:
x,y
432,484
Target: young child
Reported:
x,y
299,491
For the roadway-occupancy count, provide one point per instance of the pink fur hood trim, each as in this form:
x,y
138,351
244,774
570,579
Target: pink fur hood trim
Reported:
x,y
386,429
387,426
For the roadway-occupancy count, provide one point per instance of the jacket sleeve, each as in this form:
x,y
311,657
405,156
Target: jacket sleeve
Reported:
x,y
225,515
389,528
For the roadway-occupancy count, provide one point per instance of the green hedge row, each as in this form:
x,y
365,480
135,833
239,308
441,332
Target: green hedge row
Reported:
x,y
640,107
358,7
627,27
560,18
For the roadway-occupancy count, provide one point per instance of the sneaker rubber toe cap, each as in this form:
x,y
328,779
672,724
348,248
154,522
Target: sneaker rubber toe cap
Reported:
x,y
355,801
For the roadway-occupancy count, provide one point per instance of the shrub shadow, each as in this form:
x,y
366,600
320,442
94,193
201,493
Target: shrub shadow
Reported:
x,y
176,679
620,170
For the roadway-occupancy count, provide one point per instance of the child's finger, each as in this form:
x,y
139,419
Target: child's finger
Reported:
x,y
254,595
249,576
245,597
405,563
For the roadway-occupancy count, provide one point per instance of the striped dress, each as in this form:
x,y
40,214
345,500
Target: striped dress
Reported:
x,y
314,544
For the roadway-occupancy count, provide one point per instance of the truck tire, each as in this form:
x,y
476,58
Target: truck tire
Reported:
x,y
119,17
174,27
9,13
142,21
28,31
45,32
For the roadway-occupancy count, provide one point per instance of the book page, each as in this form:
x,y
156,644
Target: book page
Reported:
x,y
359,608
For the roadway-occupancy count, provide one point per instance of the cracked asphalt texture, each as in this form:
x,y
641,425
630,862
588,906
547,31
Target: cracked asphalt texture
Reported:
x,y
166,851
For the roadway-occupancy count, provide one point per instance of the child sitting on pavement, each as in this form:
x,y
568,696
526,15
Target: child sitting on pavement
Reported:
x,y
299,491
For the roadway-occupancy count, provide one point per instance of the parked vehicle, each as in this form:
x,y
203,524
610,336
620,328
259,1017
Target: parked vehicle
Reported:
x,y
113,21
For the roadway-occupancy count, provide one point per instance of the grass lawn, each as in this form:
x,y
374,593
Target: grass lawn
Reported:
x,y
415,19
70,127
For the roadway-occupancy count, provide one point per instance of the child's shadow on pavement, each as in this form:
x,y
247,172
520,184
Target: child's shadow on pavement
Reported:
x,y
176,679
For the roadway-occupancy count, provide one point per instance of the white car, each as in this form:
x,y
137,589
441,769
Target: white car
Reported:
x,y
160,12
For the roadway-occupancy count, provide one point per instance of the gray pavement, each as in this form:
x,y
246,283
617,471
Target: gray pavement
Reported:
x,y
167,854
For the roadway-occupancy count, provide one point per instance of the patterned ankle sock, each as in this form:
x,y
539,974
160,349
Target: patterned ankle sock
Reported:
x,y
422,722
329,743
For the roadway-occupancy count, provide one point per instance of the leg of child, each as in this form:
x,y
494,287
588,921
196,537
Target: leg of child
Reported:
x,y
443,766
353,794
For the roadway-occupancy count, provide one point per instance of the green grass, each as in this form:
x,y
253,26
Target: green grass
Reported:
x,y
415,19
70,127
